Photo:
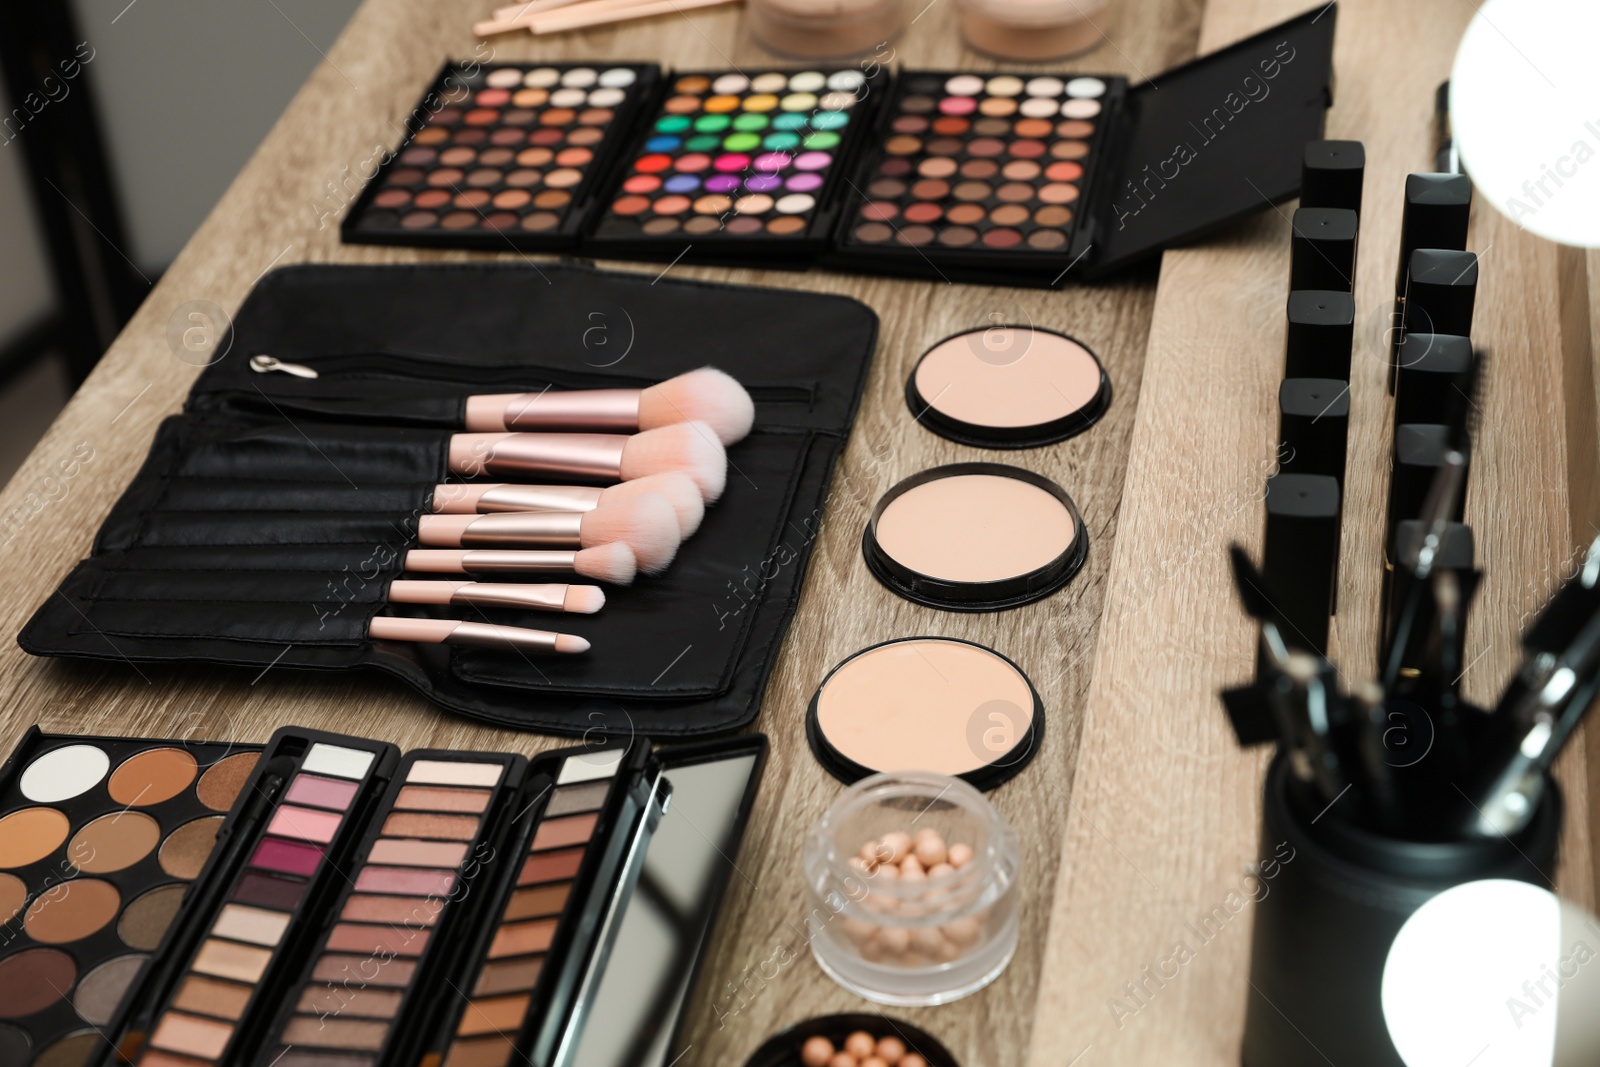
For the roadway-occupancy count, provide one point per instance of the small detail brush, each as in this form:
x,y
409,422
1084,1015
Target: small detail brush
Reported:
x,y
576,599
612,563
687,447
473,635
486,498
647,525
706,395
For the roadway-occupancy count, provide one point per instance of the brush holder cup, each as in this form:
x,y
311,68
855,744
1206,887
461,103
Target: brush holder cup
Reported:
x,y
1339,894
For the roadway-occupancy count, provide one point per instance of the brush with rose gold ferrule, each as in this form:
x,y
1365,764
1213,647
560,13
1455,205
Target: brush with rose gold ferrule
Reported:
x,y
473,635
687,447
530,596
491,498
706,395
613,563
647,526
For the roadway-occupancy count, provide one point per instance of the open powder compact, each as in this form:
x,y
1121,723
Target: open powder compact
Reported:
x,y
926,704
1008,387
975,537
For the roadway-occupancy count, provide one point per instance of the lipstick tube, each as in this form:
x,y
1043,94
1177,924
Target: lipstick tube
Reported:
x,y
592,410
463,499
525,529
594,456
525,597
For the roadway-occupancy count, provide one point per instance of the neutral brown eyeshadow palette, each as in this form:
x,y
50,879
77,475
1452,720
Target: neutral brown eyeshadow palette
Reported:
x,y
1005,177
322,901
100,838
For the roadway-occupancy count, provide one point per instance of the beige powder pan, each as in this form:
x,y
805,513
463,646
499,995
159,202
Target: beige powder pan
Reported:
x,y
975,537
1008,387
926,704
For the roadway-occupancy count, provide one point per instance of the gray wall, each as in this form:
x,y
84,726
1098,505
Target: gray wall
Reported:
x,y
186,89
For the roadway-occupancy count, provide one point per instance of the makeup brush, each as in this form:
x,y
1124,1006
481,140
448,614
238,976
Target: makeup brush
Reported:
x,y
612,563
485,498
687,447
706,395
473,635
575,599
647,525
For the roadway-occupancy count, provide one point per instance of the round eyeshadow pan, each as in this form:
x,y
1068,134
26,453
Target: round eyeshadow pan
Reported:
x,y
34,979
926,703
113,842
30,834
71,911
154,775
64,773
975,537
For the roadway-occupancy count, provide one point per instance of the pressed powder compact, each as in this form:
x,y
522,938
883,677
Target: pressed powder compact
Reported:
x,y
1008,387
926,704
975,537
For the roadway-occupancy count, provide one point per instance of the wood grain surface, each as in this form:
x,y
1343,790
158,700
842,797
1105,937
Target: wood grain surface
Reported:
x,y
1138,799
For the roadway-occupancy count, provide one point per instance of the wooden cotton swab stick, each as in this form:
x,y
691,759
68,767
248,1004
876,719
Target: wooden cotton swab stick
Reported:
x,y
592,13
516,16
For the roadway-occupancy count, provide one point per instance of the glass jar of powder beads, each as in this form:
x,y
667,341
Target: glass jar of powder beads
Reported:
x,y
912,879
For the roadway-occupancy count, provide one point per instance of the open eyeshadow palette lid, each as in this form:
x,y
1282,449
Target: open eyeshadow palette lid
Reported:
x,y
100,838
1005,178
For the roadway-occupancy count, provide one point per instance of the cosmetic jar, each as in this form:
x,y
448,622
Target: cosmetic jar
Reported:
x,y
912,940
1032,29
817,29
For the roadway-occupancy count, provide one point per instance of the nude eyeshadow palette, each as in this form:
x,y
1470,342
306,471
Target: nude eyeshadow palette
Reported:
x,y
1004,177
100,838
502,156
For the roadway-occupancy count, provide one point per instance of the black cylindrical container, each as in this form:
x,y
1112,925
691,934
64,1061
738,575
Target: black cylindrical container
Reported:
x,y
1336,901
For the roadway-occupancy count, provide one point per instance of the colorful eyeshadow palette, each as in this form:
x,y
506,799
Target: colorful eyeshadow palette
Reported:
x,y
971,170
751,162
283,852
502,156
432,842
1011,178
100,839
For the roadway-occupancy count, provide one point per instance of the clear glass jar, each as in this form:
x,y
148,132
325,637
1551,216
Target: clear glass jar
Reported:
x,y
824,29
1032,30
896,936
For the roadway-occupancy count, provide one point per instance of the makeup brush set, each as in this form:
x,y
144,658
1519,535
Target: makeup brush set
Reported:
x,y
361,480
1387,792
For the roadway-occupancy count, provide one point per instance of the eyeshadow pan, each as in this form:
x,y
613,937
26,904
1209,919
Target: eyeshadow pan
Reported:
x,y
569,799
222,782
64,773
102,989
286,857
186,849
550,866
29,835
144,922
410,852
402,880
431,825
404,911
72,910
508,976
364,971
114,842
560,833
152,776
224,959
522,938
34,979
208,996
538,901
353,1002
305,824
191,1034
256,926
422,798
13,894
384,941
334,794
588,766
268,891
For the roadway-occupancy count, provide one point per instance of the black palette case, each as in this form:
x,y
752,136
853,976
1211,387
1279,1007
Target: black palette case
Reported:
x,y
271,515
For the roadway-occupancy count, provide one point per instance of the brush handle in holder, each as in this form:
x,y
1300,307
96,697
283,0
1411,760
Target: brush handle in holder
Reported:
x,y
1322,935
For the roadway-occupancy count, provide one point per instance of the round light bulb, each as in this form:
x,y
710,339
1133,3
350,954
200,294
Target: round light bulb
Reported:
x,y
1495,973
1525,114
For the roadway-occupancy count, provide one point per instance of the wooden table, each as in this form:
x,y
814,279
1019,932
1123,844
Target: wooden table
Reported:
x,y
1140,812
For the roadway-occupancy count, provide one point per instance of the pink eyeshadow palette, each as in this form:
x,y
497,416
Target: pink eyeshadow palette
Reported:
x,y
975,169
431,846
249,919
502,156
741,163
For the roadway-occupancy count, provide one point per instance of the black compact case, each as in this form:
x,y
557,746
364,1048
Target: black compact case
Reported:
x,y
270,517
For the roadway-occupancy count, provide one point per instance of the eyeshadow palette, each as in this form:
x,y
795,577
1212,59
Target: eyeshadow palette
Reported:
x,y
433,838
499,156
283,851
754,163
982,170
525,983
100,839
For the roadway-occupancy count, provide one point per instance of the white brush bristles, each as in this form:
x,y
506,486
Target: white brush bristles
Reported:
x,y
583,599
647,525
688,447
677,489
612,563
706,395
